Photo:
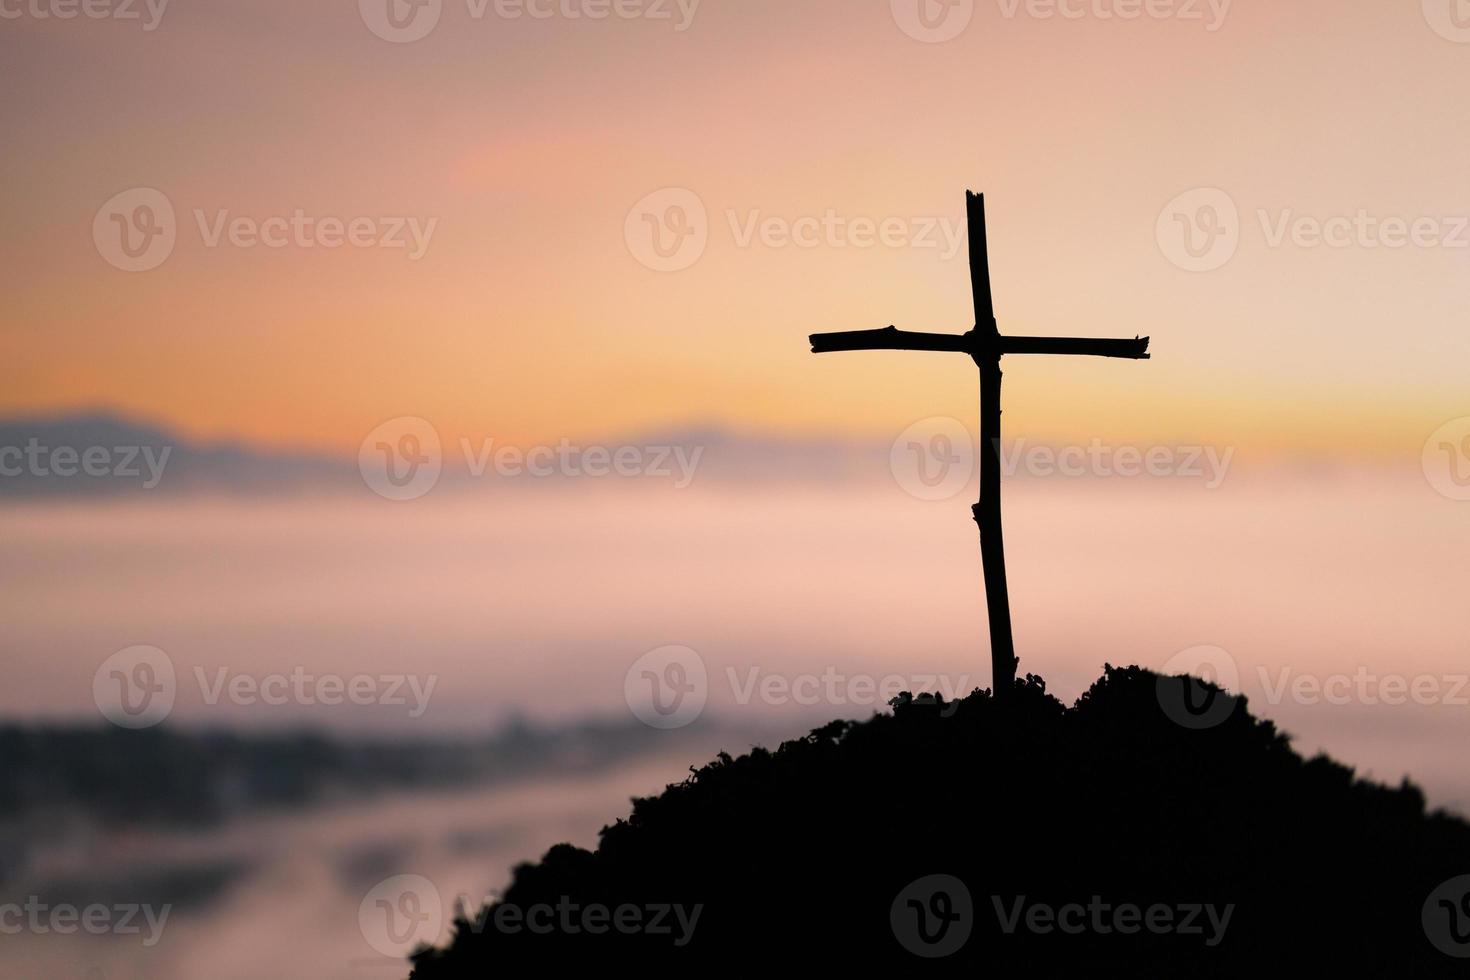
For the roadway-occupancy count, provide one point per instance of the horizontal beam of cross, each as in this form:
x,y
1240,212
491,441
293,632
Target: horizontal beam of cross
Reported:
x,y
1136,349
891,338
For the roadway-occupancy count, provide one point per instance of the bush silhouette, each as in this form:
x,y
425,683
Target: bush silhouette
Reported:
x,y
808,857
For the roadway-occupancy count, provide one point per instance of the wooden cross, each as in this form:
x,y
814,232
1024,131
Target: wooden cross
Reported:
x,y
986,345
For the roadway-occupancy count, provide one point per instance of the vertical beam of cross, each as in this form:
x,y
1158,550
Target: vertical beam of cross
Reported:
x,y
987,354
986,346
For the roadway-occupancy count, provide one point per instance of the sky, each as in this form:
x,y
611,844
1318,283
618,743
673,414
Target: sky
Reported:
x,y
532,153
335,225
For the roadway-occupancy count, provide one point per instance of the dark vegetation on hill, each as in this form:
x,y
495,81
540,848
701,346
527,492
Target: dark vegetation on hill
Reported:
x,y
806,857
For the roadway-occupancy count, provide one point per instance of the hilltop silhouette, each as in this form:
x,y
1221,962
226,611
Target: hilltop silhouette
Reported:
x,y
1236,856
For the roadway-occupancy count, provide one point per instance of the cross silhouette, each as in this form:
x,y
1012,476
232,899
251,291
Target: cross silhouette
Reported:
x,y
986,345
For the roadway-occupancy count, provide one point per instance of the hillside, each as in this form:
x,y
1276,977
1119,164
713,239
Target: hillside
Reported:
x,y
1101,839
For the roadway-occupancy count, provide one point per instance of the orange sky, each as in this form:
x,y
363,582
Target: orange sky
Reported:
x,y
528,142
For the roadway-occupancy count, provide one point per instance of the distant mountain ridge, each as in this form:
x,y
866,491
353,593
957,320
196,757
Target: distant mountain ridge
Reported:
x,y
97,453
101,452
60,781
